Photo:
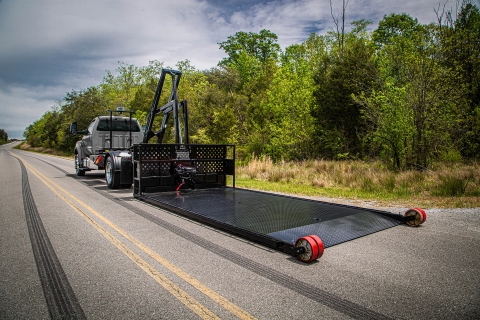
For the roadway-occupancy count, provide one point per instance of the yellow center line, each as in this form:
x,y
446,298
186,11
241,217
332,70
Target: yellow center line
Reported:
x,y
176,291
225,303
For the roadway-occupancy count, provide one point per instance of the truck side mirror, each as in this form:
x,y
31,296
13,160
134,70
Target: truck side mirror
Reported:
x,y
73,128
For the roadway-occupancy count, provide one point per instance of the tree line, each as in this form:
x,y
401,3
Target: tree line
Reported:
x,y
3,136
406,93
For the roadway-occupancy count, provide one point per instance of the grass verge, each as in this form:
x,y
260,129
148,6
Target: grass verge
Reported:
x,y
451,186
25,146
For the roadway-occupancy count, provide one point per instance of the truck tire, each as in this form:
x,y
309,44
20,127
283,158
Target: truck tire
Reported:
x,y
78,171
112,177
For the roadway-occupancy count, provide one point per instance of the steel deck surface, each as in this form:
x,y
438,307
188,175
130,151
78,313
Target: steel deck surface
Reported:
x,y
274,217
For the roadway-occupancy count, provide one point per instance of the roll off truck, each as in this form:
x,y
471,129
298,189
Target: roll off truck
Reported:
x,y
191,180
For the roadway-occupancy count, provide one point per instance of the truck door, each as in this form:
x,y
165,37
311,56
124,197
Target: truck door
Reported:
x,y
86,144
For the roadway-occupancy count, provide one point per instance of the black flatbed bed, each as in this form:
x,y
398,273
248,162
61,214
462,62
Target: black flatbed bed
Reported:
x,y
273,220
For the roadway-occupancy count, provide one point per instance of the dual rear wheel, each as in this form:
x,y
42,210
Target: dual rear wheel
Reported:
x,y
112,177
78,170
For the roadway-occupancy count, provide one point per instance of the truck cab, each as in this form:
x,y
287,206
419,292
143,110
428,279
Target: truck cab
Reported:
x,y
106,137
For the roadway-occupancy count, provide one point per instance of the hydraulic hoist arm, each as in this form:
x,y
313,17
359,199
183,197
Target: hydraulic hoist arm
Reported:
x,y
171,106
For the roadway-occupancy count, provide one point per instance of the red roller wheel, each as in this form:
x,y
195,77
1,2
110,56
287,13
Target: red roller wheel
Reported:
x,y
320,245
419,217
424,214
311,248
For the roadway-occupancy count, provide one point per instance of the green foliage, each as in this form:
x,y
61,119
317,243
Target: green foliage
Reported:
x,y
459,36
414,111
261,46
343,73
391,120
394,26
3,136
288,106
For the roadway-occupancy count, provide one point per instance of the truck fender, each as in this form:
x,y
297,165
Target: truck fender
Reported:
x,y
122,162
117,159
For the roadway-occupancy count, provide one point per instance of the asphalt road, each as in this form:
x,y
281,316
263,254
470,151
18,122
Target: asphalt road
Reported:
x,y
72,248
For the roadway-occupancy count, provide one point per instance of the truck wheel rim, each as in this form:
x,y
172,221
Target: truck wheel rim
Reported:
x,y
419,217
108,172
311,249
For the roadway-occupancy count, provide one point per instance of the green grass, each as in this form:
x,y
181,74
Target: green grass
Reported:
x,y
453,186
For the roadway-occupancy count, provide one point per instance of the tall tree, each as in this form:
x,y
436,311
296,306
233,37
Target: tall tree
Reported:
x,y
338,120
288,107
3,136
254,58
414,99
262,46
459,37
393,26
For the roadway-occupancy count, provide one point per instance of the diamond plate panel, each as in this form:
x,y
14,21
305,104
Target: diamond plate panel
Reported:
x,y
281,217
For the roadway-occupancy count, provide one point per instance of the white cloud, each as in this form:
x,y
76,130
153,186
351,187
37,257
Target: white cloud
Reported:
x,y
20,107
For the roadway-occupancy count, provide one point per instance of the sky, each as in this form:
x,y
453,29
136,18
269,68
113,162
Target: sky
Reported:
x,y
51,47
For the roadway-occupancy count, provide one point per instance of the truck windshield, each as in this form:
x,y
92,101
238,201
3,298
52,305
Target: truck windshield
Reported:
x,y
118,125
